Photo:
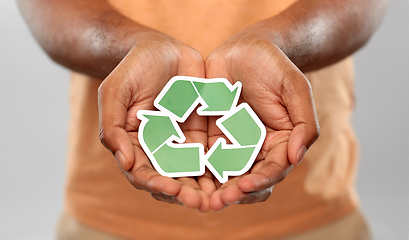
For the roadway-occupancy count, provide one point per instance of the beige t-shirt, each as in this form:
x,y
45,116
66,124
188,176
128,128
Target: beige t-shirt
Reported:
x,y
318,191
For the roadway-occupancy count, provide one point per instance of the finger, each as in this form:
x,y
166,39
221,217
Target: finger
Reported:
x,y
206,183
188,196
165,198
149,180
252,188
256,197
204,207
267,176
216,203
269,172
233,195
300,105
227,194
142,176
216,65
191,63
193,198
191,195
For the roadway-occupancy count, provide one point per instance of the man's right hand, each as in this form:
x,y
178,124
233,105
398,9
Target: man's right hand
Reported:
x,y
133,85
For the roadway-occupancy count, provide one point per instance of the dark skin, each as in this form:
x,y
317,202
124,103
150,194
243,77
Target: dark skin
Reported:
x,y
269,58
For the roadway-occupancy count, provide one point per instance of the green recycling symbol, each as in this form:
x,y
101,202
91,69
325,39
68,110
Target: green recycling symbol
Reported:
x,y
163,141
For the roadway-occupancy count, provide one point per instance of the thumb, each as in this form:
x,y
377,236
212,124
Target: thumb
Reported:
x,y
112,119
301,138
118,142
300,105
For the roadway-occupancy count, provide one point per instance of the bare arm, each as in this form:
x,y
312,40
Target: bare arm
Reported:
x,y
135,62
92,37
86,36
317,33
267,58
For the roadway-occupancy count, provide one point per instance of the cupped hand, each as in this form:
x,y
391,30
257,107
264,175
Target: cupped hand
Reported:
x,y
133,85
281,96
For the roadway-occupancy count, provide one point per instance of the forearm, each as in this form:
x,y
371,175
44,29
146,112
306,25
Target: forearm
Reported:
x,y
86,36
317,33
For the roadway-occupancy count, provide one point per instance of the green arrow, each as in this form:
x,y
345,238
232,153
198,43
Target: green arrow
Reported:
x,y
229,161
157,129
217,95
247,133
241,127
157,132
178,97
177,160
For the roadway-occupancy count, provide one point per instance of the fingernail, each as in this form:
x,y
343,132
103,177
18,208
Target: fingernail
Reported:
x,y
120,158
301,154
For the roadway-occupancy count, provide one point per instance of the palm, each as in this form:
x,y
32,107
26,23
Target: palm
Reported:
x,y
133,86
280,95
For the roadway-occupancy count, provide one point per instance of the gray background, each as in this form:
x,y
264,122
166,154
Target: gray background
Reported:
x,y
34,117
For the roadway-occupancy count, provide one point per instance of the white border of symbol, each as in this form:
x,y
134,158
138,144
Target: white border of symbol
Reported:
x,y
203,157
